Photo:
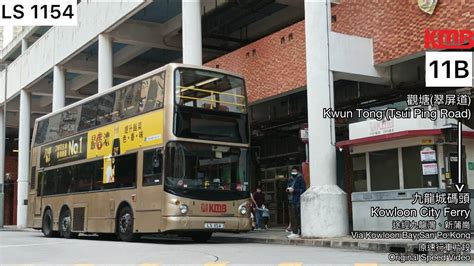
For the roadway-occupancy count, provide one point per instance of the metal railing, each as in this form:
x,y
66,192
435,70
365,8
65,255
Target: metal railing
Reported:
x,y
212,94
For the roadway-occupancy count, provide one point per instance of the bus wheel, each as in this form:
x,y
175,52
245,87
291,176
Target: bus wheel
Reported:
x,y
47,225
201,237
65,224
125,225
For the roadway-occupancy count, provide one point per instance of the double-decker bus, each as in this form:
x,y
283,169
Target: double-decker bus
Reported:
x,y
166,152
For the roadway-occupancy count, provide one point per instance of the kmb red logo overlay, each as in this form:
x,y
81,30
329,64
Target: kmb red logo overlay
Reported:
x,y
449,39
213,207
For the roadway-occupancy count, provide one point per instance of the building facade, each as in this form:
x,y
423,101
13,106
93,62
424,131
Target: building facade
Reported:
x,y
296,56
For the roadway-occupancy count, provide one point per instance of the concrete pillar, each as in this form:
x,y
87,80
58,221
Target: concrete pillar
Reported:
x,y
324,204
192,37
106,78
24,45
23,157
7,35
2,163
2,147
59,87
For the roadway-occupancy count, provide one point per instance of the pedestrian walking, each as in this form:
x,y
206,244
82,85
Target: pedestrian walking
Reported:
x,y
258,198
265,216
294,193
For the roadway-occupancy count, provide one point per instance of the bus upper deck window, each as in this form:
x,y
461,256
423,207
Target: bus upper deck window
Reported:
x,y
210,90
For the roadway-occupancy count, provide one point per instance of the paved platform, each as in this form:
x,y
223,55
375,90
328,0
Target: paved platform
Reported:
x,y
14,228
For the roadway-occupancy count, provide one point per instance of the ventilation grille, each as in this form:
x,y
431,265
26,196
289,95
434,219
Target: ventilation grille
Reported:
x,y
78,219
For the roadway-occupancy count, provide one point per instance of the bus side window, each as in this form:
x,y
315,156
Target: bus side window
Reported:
x,y
50,182
125,171
152,167
39,190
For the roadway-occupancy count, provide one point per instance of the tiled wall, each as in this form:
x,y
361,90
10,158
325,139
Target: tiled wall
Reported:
x,y
272,66
397,26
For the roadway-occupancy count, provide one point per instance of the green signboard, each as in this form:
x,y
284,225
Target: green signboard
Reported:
x,y
471,166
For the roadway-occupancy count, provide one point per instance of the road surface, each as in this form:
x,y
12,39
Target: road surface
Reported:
x,y
30,247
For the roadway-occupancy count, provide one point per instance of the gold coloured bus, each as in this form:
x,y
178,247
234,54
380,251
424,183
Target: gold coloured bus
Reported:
x,y
166,152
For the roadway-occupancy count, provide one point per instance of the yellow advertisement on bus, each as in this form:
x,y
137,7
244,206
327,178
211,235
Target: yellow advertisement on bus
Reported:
x,y
118,138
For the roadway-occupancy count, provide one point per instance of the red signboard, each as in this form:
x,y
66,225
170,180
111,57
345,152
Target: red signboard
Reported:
x,y
213,207
449,39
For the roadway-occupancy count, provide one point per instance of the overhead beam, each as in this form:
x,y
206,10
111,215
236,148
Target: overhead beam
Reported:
x,y
130,71
80,81
293,3
36,110
153,35
84,64
74,95
87,66
272,22
44,102
172,26
128,53
300,3
44,88
141,34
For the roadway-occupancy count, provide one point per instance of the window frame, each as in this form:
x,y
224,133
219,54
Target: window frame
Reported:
x,y
401,166
362,156
418,149
174,89
389,152
161,154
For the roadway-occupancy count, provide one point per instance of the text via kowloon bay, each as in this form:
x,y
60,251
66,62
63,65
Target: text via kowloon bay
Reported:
x,y
391,113
412,235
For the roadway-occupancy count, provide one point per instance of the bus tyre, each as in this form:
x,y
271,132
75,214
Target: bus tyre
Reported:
x,y
201,237
125,225
65,224
47,224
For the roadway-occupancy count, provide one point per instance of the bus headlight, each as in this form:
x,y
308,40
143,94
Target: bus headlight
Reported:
x,y
183,209
243,209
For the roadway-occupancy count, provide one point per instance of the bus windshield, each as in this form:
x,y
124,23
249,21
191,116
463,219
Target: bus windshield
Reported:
x,y
209,90
194,168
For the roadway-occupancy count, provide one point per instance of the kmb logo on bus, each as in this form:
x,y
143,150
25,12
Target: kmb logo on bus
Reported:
x,y
449,39
213,207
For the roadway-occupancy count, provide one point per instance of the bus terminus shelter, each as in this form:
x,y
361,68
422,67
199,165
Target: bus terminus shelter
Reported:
x,y
281,47
393,159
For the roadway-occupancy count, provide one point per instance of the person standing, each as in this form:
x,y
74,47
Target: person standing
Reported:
x,y
265,216
258,198
288,199
294,193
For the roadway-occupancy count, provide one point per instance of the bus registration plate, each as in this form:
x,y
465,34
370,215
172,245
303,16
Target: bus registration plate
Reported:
x,y
214,225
